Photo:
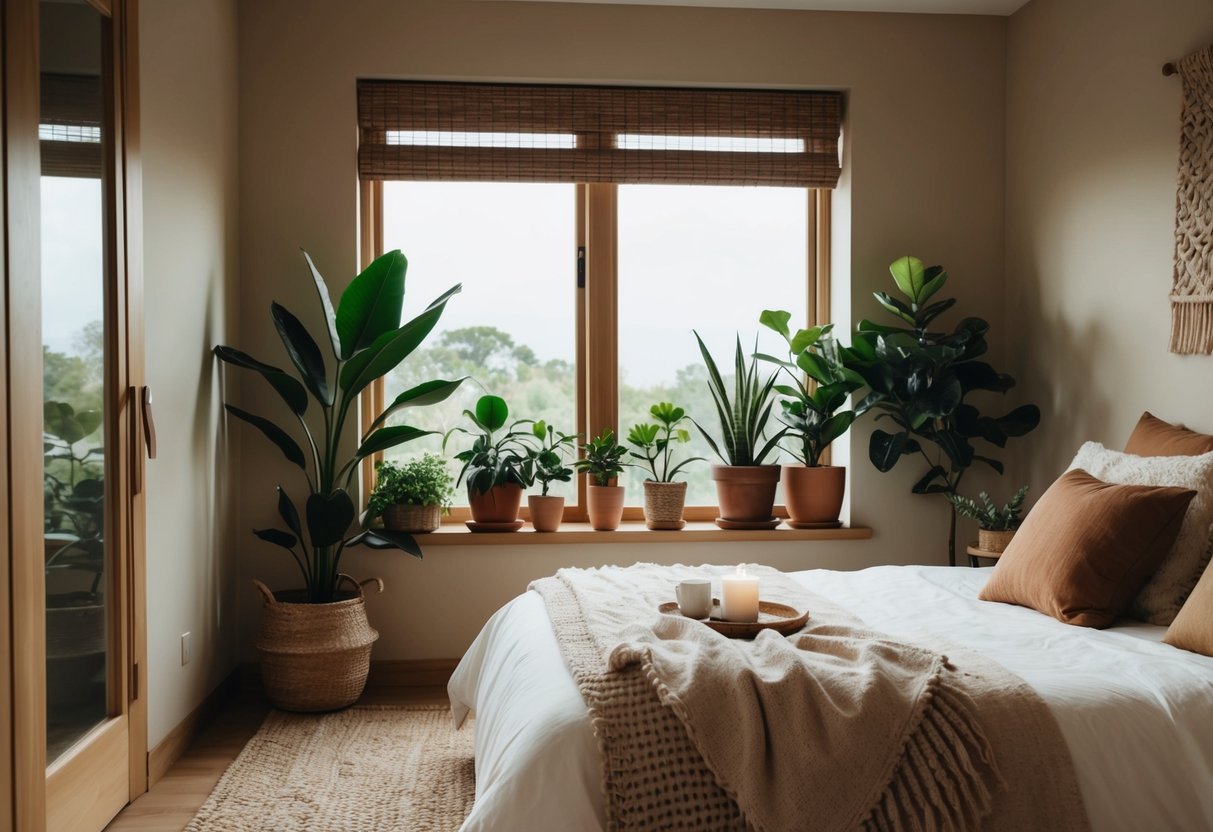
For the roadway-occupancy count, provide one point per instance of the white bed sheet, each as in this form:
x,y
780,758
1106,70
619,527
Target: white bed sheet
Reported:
x,y
1137,714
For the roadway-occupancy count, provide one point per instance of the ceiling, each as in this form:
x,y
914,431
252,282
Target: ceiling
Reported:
x,y
997,7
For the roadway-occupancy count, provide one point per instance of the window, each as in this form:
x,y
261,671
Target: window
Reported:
x,y
593,228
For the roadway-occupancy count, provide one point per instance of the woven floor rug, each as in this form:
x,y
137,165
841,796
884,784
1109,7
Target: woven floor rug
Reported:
x,y
370,768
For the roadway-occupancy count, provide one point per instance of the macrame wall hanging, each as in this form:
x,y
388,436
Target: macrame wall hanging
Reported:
x,y
1192,283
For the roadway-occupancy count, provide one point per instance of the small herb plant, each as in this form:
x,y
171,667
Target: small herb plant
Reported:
x,y
603,460
813,414
499,454
545,464
656,442
418,482
743,419
989,516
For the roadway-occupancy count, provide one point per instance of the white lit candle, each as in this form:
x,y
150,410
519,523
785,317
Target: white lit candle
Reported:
x,y
739,596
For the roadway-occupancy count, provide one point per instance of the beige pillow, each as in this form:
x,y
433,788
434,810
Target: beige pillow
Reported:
x,y
1086,548
1156,437
1159,600
1192,629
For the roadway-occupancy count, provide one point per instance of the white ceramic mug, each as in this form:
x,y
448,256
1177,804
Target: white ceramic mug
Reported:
x,y
694,597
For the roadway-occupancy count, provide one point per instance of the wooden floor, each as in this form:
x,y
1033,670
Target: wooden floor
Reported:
x,y
172,802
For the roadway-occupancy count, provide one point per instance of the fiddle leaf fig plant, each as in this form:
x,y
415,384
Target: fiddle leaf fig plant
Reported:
x,y
364,339
920,381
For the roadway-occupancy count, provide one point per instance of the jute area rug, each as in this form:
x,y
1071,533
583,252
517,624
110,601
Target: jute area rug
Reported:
x,y
367,768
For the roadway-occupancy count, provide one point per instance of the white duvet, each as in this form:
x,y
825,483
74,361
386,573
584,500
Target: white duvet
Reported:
x,y
1137,714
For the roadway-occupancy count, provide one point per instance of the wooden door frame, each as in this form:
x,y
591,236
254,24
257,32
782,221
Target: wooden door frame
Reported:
x,y
23,776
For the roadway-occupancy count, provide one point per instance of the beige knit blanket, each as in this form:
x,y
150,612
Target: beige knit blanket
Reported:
x,y
834,728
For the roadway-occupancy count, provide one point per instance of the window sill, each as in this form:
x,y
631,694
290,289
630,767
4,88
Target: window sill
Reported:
x,y
456,534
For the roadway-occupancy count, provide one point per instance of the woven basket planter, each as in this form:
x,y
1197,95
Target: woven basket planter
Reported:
x,y
406,517
315,657
990,541
663,502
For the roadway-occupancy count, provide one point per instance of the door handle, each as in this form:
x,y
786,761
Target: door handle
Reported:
x,y
149,423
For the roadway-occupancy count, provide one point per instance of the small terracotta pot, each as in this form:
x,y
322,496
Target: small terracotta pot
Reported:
x,y
663,502
406,517
497,505
989,541
605,504
546,511
746,493
813,496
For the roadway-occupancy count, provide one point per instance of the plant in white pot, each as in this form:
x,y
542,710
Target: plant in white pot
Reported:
x,y
995,525
315,642
745,486
412,496
812,410
495,467
545,465
664,497
603,464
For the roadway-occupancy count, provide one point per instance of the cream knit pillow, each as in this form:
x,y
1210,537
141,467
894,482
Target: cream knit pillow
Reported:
x,y
1164,593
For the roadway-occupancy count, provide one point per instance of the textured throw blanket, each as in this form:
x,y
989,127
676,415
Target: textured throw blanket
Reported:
x,y
834,728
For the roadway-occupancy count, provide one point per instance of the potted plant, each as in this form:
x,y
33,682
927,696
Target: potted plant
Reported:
x,y
921,378
315,642
664,498
995,526
494,468
545,465
73,526
413,496
745,487
818,387
602,463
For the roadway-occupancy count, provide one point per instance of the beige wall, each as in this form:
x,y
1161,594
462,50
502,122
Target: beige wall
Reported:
x,y
924,154
188,77
1092,146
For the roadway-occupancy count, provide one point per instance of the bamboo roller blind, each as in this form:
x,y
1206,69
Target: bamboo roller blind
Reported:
x,y
547,133
70,125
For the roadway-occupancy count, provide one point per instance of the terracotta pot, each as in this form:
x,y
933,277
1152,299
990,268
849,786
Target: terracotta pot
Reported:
x,y
813,496
605,507
497,505
663,502
546,512
745,493
406,517
989,541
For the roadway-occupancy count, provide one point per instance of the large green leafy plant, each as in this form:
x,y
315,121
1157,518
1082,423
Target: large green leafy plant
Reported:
x,y
818,387
744,415
921,380
366,340
74,495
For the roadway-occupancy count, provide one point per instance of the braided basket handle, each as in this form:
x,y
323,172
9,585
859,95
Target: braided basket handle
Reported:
x,y
265,591
357,585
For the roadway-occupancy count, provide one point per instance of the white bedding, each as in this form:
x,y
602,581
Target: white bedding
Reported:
x,y
1137,714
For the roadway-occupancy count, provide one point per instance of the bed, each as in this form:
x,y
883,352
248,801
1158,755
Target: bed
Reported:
x,y
1136,714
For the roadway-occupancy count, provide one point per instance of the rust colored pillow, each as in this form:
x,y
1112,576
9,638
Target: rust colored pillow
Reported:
x,y
1155,437
1087,547
1192,629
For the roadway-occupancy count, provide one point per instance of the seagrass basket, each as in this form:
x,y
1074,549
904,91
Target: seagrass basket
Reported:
x,y
663,502
315,657
406,517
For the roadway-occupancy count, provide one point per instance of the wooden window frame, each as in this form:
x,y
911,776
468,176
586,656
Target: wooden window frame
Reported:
x,y
596,321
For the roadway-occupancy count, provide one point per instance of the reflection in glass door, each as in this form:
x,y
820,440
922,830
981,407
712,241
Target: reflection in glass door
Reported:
x,y
75,399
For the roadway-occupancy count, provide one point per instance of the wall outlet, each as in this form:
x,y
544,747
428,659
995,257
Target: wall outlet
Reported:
x,y
186,648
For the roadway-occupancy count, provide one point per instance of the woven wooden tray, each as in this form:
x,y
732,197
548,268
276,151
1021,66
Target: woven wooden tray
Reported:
x,y
781,618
